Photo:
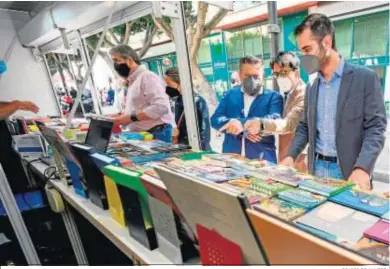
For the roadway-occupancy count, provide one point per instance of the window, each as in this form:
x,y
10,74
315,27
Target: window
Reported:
x,y
252,42
204,55
235,49
371,35
67,73
343,37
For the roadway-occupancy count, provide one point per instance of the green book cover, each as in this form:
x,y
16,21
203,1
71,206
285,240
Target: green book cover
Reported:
x,y
131,179
267,186
195,155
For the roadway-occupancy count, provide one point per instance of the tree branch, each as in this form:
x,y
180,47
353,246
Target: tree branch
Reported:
x,y
126,37
164,26
214,22
148,41
200,22
111,35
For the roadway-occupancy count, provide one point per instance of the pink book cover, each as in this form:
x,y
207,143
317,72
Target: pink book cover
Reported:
x,y
379,232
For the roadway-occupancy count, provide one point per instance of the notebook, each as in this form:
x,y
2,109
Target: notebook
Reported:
x,y
379,232
369,203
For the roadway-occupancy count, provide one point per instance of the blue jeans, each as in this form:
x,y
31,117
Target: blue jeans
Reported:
x,y
323,169
164,134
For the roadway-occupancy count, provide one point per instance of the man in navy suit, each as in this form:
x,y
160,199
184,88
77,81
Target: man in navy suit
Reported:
x,y
244,102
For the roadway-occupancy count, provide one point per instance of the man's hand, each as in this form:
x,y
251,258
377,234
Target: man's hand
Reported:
x,y
175,136
253,126
233,127
288,161
254,138
361,179
122,119
26,106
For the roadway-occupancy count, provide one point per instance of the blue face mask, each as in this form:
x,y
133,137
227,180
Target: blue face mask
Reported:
x,y
3,67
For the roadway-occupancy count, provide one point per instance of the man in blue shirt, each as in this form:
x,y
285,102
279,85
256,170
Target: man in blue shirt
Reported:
x,y
344,119
248,101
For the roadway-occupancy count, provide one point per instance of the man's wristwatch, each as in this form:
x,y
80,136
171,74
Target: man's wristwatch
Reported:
x,y
134,118
261,127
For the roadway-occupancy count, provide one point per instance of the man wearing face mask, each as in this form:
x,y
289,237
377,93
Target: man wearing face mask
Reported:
x,y
147,105
344,119
9,108
285,69
180,134
245,102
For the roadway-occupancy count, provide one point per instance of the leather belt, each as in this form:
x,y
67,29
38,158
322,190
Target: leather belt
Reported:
x,y
330,159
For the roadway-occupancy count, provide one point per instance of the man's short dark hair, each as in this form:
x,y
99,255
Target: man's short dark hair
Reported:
x,y
286,59
173,72
249,59
320,26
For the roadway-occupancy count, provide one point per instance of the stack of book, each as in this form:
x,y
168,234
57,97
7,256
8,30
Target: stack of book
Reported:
x,y
302,198
326,187
268,187
280,208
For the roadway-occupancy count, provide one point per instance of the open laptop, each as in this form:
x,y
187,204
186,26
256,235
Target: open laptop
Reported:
x,y
99,133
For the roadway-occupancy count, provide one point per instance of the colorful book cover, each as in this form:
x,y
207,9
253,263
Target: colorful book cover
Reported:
x,y
376,251
255,197
208,168
343,223
379,232
268,187
223,176
280,208
363,201
302,198
386,216
250,165
241,182
286,175
326,187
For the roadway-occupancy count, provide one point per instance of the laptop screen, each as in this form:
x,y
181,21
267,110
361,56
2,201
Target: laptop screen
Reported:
x,y
99,134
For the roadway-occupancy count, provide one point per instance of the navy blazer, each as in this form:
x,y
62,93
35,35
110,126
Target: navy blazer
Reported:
x,y
269,104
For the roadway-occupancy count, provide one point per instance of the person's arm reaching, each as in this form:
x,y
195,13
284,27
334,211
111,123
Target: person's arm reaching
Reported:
x,y
222,123
279,126
253,125
9,108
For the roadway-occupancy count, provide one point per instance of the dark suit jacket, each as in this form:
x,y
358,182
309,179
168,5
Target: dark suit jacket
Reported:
x,y
360,121
269,104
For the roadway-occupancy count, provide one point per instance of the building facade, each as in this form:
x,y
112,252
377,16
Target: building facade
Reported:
x,y
362,37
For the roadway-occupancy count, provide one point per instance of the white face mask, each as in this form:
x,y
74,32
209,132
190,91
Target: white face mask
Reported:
x,y
285,84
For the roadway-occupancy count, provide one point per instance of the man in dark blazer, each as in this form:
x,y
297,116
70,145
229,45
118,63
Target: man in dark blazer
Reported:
x,y
244,102
344,119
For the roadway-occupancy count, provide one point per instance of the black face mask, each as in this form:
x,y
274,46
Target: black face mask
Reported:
x,y
172,92
122,69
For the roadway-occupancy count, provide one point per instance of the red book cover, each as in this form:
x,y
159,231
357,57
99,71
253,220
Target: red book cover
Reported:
x,y
379,232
